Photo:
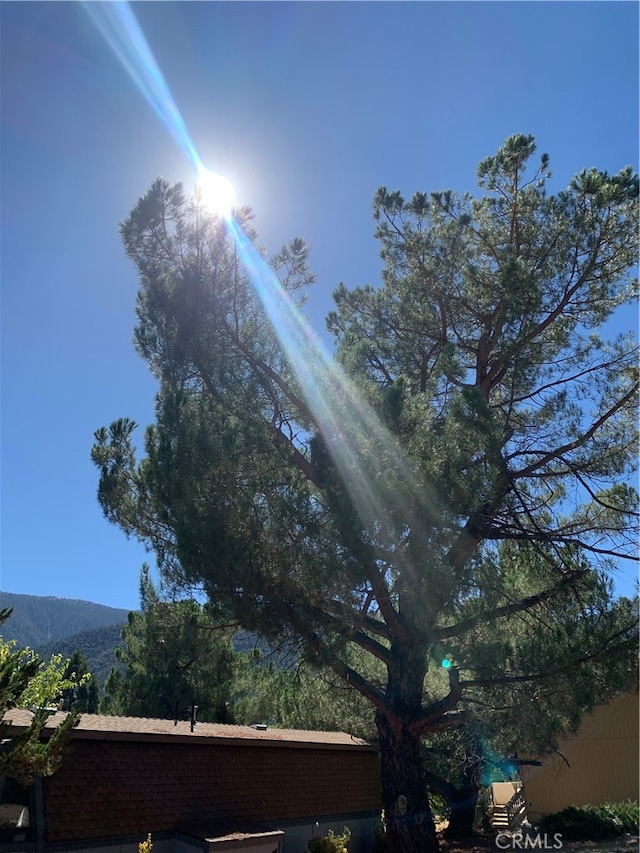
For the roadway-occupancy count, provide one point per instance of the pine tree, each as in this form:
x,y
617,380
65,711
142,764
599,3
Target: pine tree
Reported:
x,y
482,406
175,655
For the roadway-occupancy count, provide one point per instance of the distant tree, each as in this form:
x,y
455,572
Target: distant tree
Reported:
x,y
84,696
297,696
174,655
484,407
27,682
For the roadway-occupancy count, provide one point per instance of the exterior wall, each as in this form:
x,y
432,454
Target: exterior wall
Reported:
x,y
362,827
502,792
293,838
115,788
603,763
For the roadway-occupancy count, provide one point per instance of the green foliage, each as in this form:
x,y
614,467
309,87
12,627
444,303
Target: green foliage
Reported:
x,y
174,655
454,490
440,808
50,681
297,697
577,646
330,843
593,823
27,682
84,695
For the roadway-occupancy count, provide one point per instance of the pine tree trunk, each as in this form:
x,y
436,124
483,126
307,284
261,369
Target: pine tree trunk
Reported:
x,y
409,821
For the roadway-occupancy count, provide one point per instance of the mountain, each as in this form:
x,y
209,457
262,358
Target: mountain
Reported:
x,y
51,626
38,621
98,647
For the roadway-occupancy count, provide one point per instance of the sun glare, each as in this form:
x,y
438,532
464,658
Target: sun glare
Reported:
x,y
216,193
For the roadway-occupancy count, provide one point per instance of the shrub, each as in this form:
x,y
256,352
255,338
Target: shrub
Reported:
x,y
145,846
380,842
330,843
594,822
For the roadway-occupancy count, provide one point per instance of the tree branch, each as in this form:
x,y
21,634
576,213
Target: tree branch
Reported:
x,y
603,654
548,456
506,609
432,714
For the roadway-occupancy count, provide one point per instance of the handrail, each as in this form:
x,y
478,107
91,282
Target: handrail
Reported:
x,y
515,809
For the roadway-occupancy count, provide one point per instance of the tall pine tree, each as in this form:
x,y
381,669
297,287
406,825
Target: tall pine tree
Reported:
x,y
174,656
484,407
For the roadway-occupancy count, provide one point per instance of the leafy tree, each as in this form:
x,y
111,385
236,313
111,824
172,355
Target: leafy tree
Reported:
x,y
84,695
174,656
27,682
483,407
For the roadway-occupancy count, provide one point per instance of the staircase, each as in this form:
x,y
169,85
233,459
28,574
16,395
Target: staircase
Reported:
x,y
506,816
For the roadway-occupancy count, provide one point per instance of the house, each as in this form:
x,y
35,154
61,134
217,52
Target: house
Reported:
x,y
202,787
597,764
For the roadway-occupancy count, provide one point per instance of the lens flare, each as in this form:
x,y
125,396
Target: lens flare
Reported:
x,y
216,193
388,492
120,29
391,498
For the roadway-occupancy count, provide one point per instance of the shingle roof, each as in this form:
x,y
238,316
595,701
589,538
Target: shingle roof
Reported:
x,y
104,727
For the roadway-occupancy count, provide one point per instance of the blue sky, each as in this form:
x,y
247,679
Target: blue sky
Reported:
x,y
307,108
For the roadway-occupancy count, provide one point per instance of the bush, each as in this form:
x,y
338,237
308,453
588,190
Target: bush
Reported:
x,y
380,842
145,846
591,823
330,843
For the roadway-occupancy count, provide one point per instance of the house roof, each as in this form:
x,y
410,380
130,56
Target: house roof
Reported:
x,y
105,727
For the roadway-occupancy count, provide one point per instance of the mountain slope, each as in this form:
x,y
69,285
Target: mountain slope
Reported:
x,y
38,621
98,647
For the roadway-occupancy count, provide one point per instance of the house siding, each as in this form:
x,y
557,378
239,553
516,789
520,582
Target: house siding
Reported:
x,y
601,763
109,788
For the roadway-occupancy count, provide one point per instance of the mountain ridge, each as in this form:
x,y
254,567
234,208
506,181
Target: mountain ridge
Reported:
x,y
38,621
51,625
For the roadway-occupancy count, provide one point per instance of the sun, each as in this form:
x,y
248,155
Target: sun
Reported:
x,y
216,193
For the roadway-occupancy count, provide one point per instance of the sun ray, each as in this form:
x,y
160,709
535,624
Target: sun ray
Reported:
x,y
386,488
120,29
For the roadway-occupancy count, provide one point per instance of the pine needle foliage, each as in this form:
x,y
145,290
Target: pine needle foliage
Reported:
x,y
472,471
